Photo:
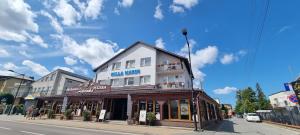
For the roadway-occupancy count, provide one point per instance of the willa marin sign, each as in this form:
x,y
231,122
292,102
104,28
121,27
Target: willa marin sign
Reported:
x,y
127,72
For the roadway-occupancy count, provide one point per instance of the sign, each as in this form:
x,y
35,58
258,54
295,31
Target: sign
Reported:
x,y
102,114
293,98
157,115
184,110
296,88
143,115
288,86
88,88
64,105
127,72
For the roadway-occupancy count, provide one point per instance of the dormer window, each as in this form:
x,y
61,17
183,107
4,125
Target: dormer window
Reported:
x,y
116,66
130,63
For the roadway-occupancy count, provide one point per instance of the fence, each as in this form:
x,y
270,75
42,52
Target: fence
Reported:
x,y
290,115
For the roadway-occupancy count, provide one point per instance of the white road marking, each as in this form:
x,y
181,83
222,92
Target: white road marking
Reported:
x,y
5,128
27,132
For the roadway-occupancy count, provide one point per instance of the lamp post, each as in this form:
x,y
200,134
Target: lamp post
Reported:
x,y
184,33
15,96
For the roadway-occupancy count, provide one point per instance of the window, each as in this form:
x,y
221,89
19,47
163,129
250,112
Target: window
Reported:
x,y
115,82
184,109
145,79
174,109
130,64
129,81
116,66
165,62
145,61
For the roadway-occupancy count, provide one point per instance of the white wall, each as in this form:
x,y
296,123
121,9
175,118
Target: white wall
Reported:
x,y
135,53
281,98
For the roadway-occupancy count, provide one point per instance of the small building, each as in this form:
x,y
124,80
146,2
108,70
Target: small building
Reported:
x,y
11,84
282,99
141,78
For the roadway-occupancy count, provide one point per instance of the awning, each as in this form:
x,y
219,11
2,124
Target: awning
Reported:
x,y
29,97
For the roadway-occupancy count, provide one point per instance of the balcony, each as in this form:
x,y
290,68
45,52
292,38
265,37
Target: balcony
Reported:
x,y
169,68
171,85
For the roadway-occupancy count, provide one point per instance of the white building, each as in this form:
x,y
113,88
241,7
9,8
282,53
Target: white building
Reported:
x,y
281,99
56,83
142,64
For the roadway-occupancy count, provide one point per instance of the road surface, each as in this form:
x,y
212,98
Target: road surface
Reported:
x,y
18,128
239,126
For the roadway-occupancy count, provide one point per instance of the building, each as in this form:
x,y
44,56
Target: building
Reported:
x,y
11,84
142,78
54,84
230,111
282,99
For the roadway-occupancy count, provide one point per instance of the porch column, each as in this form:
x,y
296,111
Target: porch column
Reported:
x,y
215,110
129,108
161,103
207,110
199,112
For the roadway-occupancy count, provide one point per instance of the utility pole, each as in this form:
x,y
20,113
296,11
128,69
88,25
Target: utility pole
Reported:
x,y
17,92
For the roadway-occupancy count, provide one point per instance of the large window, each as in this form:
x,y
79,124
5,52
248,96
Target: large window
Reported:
x,y
174,109
145,79
130,64
184,109
145,61
116,66
116,82
129,81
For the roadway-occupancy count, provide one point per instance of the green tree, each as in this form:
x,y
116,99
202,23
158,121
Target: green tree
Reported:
x,y
239,102
262,102
246,101
8,97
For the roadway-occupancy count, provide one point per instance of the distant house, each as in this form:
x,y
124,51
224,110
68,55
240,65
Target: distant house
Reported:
x,y
281,99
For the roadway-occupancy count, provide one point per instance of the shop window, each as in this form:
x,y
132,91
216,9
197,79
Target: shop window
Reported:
x,y
130,64
129,81
145,79
150,106
165,111
157,108
142,105
184,109
174,109
116,66
145,61
115,82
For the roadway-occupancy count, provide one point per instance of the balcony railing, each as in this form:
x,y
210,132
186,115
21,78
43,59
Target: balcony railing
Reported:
x,y
171,85
169,68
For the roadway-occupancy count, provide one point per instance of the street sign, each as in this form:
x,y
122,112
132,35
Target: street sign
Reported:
x,y
293,98
143,114
102,114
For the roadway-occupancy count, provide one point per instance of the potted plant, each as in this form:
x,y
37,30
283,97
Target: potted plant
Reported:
x,y
86,115
136,118
68,114
151,118
97,116
50,114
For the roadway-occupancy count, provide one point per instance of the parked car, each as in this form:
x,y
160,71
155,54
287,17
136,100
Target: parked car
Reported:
x,y
253,117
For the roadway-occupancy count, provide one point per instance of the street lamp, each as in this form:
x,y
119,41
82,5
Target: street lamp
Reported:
x,y
184,33
15,96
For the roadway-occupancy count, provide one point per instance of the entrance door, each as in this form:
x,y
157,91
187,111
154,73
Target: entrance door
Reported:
x,y
119,109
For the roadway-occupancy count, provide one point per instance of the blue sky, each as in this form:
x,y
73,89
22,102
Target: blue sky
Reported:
x,y
38,37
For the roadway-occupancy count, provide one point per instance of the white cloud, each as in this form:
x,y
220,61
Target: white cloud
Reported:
x,y
178,6
63,68
67,12
200,58
70,60
54,23
92,51
38,40
93,8
284,28
158,12
176,9
228,58
24,53
10,66
16,19
160,43
125,3
226,90
36,67
4,53
231,57
116,11
81,70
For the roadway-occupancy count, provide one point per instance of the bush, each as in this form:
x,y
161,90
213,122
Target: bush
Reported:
x,y
19,109
86,115
68,114
8,97
50,114
151,118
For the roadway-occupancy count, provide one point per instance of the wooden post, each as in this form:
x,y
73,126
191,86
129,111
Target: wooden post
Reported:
x,y
161,103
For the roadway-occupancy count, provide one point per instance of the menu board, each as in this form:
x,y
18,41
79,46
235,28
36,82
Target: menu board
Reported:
x,y
157,110
102,114
150,106
142,117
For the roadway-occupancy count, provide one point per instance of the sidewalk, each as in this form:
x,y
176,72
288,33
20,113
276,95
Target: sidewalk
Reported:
x,y
137,129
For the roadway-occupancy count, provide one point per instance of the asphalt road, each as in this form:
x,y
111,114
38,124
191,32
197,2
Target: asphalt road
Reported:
x,y
237,126
17,128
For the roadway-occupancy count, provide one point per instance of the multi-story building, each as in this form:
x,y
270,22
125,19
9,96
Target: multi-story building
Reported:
x,y
142,78
11,84
56,83
283,99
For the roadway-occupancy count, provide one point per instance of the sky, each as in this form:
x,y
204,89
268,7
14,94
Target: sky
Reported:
x,y
234,43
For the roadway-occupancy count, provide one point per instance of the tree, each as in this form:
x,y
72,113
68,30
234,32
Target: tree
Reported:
x,y
262,102
8,98
239,102
246,101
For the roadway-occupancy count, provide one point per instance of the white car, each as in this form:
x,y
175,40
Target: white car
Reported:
x,y
253,117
